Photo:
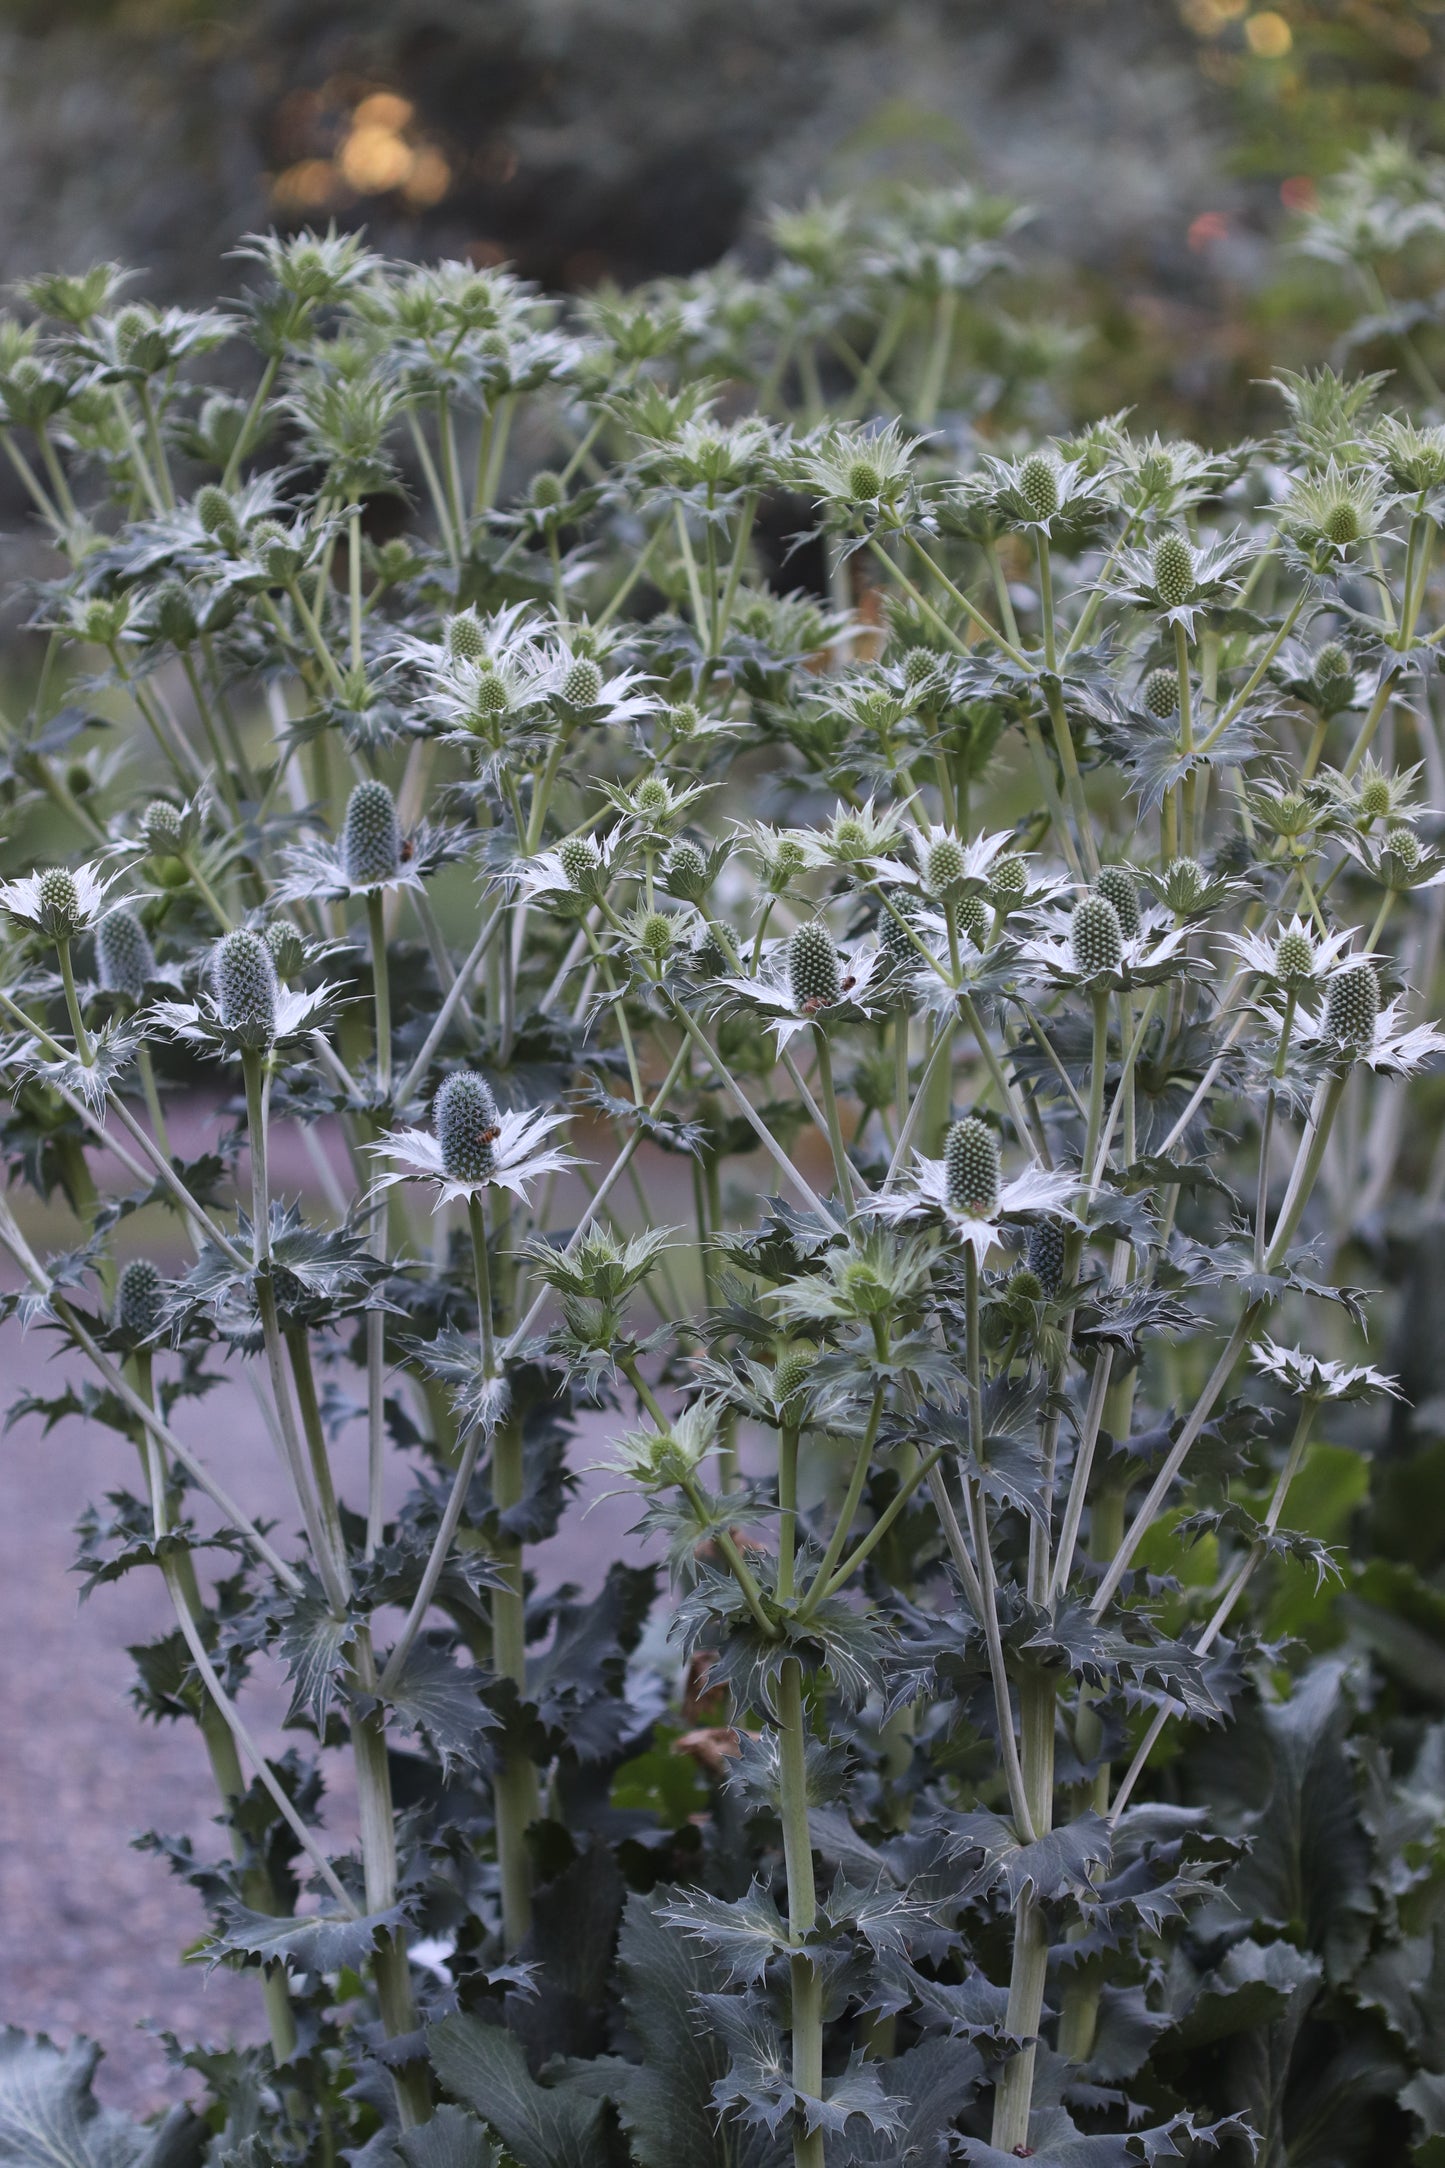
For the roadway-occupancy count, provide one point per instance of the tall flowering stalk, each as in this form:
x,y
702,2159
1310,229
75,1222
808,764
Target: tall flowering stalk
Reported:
x,y
899,1065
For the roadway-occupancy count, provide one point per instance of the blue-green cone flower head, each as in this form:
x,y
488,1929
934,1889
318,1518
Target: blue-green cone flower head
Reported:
x,y
287,944
1117,883
792,1368
466,1122
972,916
1039,485
58,898
1294,958
921,669
1096,938
162,827
1159,692
246,986
214,509
1045,1254
581,685
814,978
971,1167
1173,562
1352,1005
581,861
547,490
370,836
685,871
893,935
1334,671
1008,882
124,958
944,867
464,639
138,1300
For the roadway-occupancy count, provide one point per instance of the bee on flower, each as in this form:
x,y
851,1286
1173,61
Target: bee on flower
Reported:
x,y
472,1144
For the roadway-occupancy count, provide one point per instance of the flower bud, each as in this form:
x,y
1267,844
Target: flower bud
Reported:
x,y
1374,799
1039,485
1045,1254
685,871
138,1300
864,481
1184,884
464,639
971,1167
1341,523
489,699
920,668
893,936
1334,671
792,1367
124,958
214,509
287,946
547,491
1403,845
581,686
246,987
1294,958
466,1122
684,718
1009,881
1173,569
1117,884
581,861
59,900
370,835
972,917
814,979
173,615
161,827
1096,938
656,934
944,867
1352,1005
1159,692
652,799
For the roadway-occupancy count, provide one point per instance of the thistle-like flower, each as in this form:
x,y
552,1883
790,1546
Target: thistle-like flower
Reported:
x,y
810,979
1090,948
965,1190
1357,1024
60,902
124,959
472,1145
139,1294
370,853
245,1009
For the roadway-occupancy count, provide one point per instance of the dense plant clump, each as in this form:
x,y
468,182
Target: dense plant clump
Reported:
x,y
891,1066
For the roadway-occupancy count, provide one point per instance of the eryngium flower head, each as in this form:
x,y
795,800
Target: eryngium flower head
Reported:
x,y
581,685
370,835
685,871
124,958
1038,485
581,861
1352,1005
972,1167
971,916
814,979
1045,1254
791,1370
163,829
246,987
1096,938
467,1125
1008,881
1159,692
138,1300
1173,562
57,902
1183,883
1294,957
1118,886
1334,674
944,867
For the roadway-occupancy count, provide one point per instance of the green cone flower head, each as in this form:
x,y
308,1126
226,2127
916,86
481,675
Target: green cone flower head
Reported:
x,y
864,481
246,986
1173,562
466,1122
1183,885
920,668
1400,857
124,958
1352,1005
1045,1254
792,1368
1096,937
1117,884
581,685
945,867
1334,672
814,979
971,1167
656,935
161,827
1374,800
1294,958
1009,881
59,900
1159,692
287,946
971,914
581,861
684,718
370,835
173,615
138,1300
464,639
893,935
685,871
1038,485
547,490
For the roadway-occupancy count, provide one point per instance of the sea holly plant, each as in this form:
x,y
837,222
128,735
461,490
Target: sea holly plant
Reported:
x,y
870,992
